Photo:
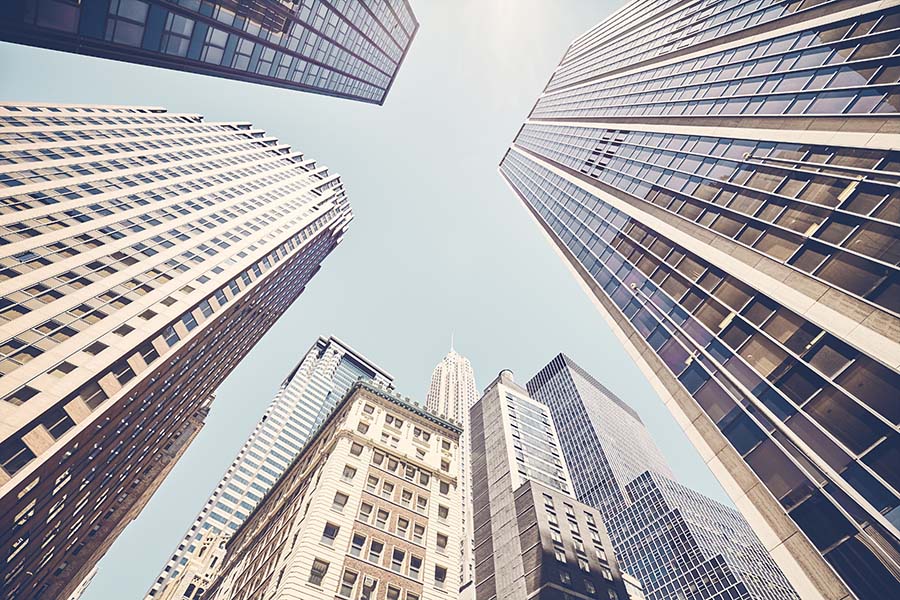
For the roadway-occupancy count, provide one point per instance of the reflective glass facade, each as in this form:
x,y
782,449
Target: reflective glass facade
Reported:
x,y
142,255
722,176
346,48
305,399
678,543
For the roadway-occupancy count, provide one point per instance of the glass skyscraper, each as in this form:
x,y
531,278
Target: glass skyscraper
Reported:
x,y
305,399
142,255
721,175
678,543
347,48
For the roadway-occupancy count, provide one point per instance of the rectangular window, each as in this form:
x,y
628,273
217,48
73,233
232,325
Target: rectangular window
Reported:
x,y
339,502
330,534
318,571
348,582
357,544
375,550
397,559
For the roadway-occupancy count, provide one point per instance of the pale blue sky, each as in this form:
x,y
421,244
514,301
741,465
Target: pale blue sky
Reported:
x,y
439,244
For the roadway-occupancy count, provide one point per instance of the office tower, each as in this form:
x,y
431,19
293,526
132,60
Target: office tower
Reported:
x,y
721,179
142,255
305,399
349,49
79,591
369,509
676,542
633,587
533,539
451,394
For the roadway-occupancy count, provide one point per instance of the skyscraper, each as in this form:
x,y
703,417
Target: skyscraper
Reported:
x,y
533,538
368,510
350,49
305,399
451,394
142,255
678,543
721,179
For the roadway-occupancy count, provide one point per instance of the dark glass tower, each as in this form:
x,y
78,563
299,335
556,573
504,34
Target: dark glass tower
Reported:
x,y
678,543
346,48
724,180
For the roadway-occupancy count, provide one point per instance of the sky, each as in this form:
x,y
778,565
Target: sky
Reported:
x,y
438,246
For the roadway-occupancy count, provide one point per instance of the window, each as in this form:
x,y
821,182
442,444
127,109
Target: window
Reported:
x,y
375,550
560,555
317,572
348,582
607,574
421,504
357,544
590,587
406,498
339,502
393,421
601,554
393,593
348,474
445,445
445,466
612,595
362,427
387,490
424,478
418,533
381,518
397,559
443,512
372,484
330,534
444,488
440,576
421,434
377,458
412,596
356,449
365,511
402,526
441,542
415,566
368,409
583,565
369,588
565,577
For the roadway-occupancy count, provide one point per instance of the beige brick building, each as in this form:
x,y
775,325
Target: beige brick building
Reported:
x,y
370,509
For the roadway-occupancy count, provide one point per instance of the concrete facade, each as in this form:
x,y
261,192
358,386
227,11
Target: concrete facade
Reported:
x,y
369,509
533,539
144,254
304,400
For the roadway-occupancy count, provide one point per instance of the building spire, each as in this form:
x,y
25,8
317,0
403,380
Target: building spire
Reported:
x,y
451,341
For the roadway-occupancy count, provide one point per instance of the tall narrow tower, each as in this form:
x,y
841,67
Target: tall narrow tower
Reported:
x,y
451,394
